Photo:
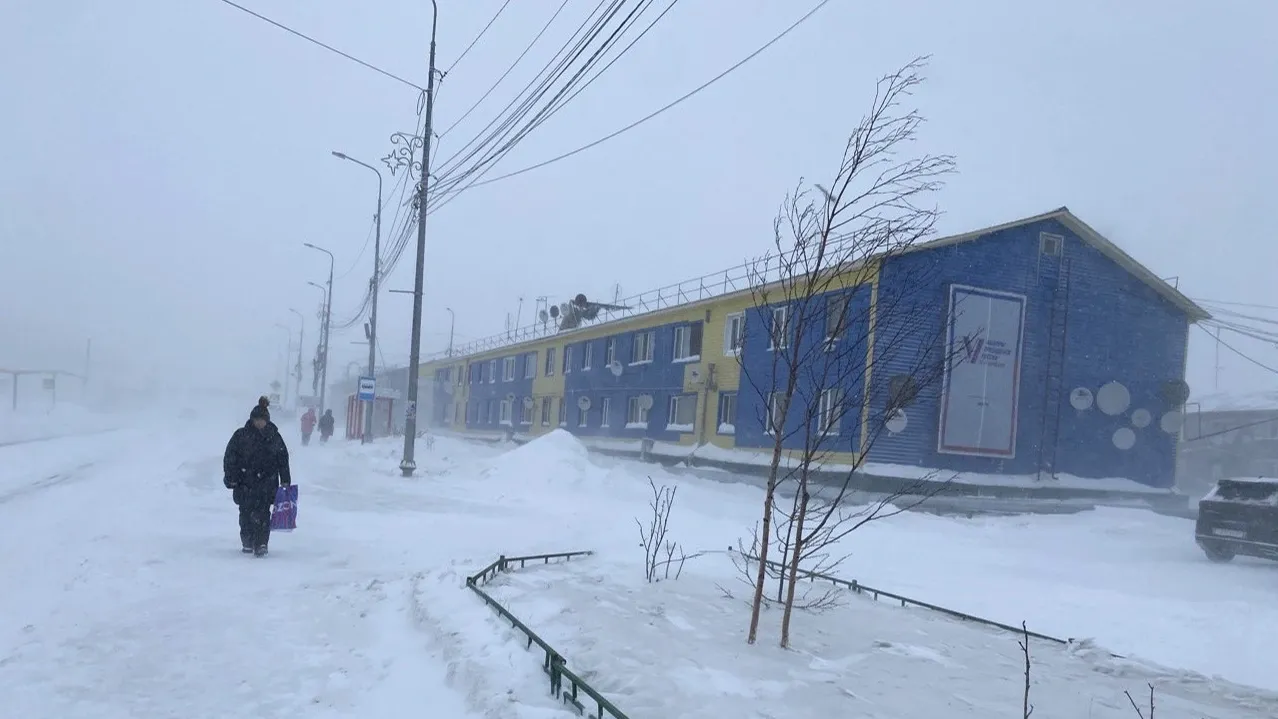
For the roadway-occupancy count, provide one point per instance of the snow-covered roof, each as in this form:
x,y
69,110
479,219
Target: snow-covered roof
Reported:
x,y
1236,402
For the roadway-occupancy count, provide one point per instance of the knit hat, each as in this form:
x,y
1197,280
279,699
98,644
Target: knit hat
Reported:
x,y
261,411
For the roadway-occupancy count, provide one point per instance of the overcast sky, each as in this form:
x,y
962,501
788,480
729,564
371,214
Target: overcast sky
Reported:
x,y
162,161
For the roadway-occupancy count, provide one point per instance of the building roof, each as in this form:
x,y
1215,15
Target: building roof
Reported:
x,y
1263,401
1089,235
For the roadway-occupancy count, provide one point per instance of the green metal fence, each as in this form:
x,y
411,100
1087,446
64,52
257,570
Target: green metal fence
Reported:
x,y
577,690
860,588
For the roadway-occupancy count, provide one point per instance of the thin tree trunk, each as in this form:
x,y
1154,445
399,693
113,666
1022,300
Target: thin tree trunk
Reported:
x,y
765,531
795,552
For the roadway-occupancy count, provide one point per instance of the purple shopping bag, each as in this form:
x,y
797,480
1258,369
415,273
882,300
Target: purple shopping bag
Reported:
x,y
284,514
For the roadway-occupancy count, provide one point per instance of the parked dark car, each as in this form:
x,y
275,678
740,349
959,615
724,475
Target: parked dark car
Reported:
x,y
1239,516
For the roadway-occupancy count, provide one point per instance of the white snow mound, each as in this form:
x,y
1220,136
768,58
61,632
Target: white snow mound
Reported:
x,y
558,459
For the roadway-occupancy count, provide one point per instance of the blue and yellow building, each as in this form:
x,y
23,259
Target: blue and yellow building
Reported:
x,y
1036,348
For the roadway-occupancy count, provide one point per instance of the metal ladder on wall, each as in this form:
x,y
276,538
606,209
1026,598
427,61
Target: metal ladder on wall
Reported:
x,y
1054,375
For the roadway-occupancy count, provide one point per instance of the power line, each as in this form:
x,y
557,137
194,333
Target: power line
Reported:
x,y
326,46
483,97
1240,353
477,37
661,110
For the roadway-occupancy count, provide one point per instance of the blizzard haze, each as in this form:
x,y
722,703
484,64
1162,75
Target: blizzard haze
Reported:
x,y
162,162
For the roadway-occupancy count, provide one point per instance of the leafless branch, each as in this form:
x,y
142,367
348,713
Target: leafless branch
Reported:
x,y
1026,708
1139,713
652,537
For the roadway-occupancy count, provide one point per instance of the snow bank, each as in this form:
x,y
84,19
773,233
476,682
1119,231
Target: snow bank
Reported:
x,y
677,649
27,424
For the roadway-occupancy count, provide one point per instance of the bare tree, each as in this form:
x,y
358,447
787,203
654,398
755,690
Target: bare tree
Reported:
x,y
1026,708
846,354
652,537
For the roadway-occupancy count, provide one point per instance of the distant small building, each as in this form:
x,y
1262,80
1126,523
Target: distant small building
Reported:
x,y
1228,436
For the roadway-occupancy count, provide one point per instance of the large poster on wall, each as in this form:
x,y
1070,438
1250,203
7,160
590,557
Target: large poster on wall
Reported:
x,y
979,393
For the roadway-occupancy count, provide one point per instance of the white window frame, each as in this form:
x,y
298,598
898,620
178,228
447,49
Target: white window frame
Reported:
x,y
550,361
683,344
545,411
503,412
605,409
492,371
830,412
587,349
783,332
563,411
733,333
530,365
526,412
636,416
649,342
773,409
727,398
672,421
583,418
610,351
830,337
508,369
568,352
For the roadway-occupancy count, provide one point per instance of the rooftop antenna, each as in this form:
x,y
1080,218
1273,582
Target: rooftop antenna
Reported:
x,y
616,293
519,312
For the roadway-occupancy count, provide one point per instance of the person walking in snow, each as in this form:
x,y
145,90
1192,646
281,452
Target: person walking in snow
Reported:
x,y
254,466
326,425
308,425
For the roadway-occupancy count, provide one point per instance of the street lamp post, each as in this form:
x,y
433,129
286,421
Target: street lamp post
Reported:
x,y
375,286
452,324
328,320
408,465
301,342
287,352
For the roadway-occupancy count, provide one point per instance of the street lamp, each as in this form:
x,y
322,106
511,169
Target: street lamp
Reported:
x,y
375,284
452,324
408,465
301,342
328,318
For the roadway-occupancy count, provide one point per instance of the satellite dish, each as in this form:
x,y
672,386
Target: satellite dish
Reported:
x,y
528,402
554,310
510,397
694,376
897,423
543,316
1175,392
1141,418
1080,398
645,402
583,402
615,368
1113,398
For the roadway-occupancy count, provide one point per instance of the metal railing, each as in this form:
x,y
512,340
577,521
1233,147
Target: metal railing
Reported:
x,y
554,664
905,601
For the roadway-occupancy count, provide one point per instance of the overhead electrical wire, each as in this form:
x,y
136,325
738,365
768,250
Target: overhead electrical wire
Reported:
x,y
477,37
452,193
324,45
1242,354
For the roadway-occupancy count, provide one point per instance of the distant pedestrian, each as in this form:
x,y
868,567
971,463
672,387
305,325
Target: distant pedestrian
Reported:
x,y
326,426
254,466
308,425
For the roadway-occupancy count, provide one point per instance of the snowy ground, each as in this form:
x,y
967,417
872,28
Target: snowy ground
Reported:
x,y
135,601
36,423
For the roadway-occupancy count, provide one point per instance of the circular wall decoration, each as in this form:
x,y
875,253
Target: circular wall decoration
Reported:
x,y
1175,392
1124,438
1141,418
1080,398
1113,398
1171,421
897,423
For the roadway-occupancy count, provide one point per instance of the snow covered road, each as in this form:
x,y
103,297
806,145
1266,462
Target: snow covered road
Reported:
x,y
126,594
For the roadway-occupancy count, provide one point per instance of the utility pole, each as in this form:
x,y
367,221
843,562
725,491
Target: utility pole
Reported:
x,y
288,351
328,323
375,285
301,342
408,465
452,324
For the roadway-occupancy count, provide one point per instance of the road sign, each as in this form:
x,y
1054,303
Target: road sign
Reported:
x,y
49,383
367,389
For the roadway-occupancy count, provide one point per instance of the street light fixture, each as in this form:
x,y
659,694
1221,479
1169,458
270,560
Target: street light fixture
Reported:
x,y
301,342
375,285
328,319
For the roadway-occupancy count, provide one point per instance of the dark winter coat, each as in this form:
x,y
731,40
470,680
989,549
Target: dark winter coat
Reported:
x,y
256,462
326,424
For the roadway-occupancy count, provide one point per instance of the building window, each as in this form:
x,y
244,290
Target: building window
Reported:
x,y
460,379
605,409
508,369
526,411
457,410
642,349
492,371
780,334
530,365
470,374
466,409
587,349
775,420
481,412
505,412
733,333
610,351
492,411
836,318
831,411
728,413
550,362
636,415
567,358
683,413
1050,244
545,411
563,411
583,414
687,342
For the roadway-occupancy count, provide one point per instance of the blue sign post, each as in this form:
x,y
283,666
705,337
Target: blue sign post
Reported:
x,y
367,389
